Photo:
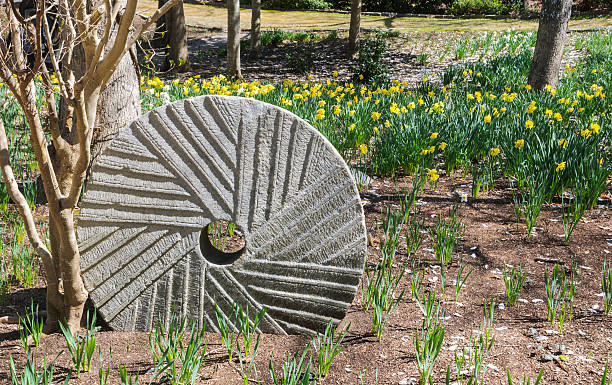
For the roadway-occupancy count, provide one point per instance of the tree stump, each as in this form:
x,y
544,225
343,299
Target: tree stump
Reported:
x,y
154,191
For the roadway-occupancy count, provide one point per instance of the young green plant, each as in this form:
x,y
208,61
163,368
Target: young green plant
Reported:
x,y
328,346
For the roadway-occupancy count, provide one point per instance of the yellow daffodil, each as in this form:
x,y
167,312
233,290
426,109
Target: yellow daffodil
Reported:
x,y
495,151
519,143
487,119
434,135
560,166
586,133
563,142
529,124
433,175
363,148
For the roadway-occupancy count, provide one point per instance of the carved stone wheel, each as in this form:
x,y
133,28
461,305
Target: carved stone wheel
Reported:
x,y
143,224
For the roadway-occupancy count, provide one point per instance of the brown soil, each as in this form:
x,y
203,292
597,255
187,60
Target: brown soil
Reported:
x,y
492,240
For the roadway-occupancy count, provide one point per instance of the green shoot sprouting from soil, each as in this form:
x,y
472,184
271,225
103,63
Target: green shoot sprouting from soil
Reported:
x,y
228,335
327,346
526,379
244,326
446,235
179,363
606,287
513,282
461,278
31,326
427,345
295,371
30,375
560,291
81,349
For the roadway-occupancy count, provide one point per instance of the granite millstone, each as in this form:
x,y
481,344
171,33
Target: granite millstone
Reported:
x,y
159,184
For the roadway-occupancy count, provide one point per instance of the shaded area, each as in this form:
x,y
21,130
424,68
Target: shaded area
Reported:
x,y
203,15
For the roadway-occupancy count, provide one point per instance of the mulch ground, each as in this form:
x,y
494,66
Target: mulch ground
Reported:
x,y
524,341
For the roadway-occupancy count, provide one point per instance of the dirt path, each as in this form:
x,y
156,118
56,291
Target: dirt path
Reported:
x,y
216,17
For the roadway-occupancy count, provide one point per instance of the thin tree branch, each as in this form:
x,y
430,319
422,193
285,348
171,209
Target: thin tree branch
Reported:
x,y
22,204
124,40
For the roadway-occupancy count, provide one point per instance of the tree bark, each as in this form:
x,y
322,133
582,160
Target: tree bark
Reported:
x,y
177,55
233,39
255,28
355,26
552,30
171,35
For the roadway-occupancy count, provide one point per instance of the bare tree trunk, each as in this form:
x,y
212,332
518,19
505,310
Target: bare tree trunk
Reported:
x,y
176,37
552,29
233,39
102,38
119,104
171,34
354,28
255,28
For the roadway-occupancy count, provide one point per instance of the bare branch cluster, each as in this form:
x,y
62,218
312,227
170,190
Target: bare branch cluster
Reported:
x,y
38,52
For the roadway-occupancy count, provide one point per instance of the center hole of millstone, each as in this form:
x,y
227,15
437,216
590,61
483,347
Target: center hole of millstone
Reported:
x,y
222,242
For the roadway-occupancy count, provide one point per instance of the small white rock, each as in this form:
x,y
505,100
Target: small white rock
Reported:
x,y
501,306
537,300
501,328
348,370
523,300
493,367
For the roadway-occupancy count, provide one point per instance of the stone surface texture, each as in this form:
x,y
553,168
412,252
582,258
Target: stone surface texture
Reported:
x,y
186,164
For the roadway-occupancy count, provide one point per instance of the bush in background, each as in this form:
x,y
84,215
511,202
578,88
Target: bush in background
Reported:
x,y
296,4
478,7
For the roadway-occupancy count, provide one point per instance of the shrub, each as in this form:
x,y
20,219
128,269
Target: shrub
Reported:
x,y
478,7
296,4
370,66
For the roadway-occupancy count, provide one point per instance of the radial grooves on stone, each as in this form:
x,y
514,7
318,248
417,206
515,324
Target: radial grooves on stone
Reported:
x,y
109,245
104,196
351,249
203,144
90,236
295,226
136,278
291,300
239,175
190,169
307,160
132,181
140,216
114,163
287,187
227,155
293,211
329,243
254,304
213,106
314,285
275,159
306,320
298,247
157,144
